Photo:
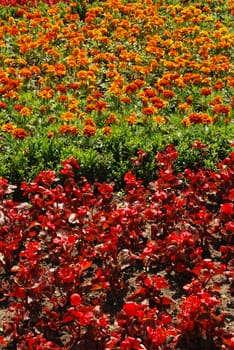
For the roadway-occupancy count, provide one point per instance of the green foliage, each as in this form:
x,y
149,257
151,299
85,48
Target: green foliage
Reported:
x,y
108,158
81,8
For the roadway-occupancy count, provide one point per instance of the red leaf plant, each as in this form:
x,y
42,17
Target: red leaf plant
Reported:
x,y
82,269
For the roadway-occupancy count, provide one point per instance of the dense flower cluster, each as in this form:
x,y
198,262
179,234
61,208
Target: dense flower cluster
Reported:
x,y
138,58
82,268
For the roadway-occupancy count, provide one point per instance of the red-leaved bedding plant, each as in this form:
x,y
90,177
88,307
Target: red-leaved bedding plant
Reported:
x,y
82,268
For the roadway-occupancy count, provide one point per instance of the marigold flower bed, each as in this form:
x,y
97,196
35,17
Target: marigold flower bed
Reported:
x,y
101,80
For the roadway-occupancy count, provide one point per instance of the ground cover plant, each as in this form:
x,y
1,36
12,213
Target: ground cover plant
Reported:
x,y
116,175
118,77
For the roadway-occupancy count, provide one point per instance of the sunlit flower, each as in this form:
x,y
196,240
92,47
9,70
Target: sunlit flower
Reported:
x,y
219,85
221,109
100,105
60,69
112,119
186,121
148,110
25,72
50,134
68,116
46,93
107,131
25,111
3,105
18,107
61,88
158,102
189,99
73,105
13,95
149,92
8,127
159,119
217,100
205,91
184,107
89,130
35,70
68,129
19,133
168,94
63,98
130,88
132,119
203,118
90,121
126,99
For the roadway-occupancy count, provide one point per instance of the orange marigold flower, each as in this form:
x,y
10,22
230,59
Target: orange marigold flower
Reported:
x,y
90,107
73,105
61,88
2,105
130,88
184,106
68,129
25,111
19,133
189,99
18,107
60,69
12,94
206,118
89,130
50,134
25,72
149,92
195,118
90,121
43,109
186,121
158,102
205,91
47,93
63,98
100,105
8,127
216,101
97,94
132,119
203,118
107,131
148,110
68,116
159,119
125,99
219,85
139,82
74,86
230,81
221,109
112,119
35,70
168,94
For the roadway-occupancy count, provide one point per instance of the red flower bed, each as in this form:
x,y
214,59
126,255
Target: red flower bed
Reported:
x,y
83,268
